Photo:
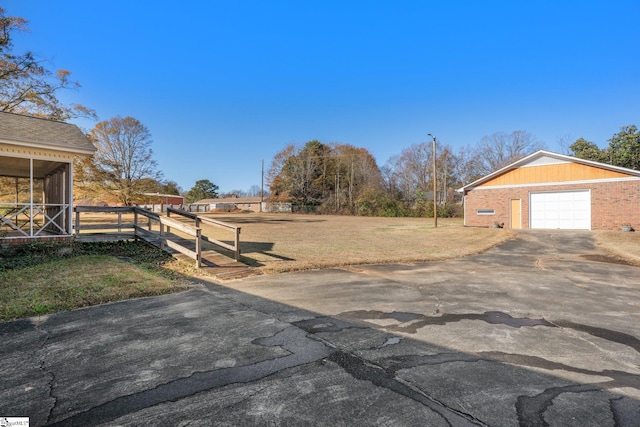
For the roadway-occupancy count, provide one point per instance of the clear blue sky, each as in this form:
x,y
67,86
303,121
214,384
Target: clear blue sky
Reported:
x,y
222,85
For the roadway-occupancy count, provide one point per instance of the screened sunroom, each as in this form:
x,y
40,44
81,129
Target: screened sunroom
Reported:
x,y
36,176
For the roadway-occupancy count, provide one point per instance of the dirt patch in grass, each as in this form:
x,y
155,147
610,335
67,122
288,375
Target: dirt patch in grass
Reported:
x,y
621,245
281,243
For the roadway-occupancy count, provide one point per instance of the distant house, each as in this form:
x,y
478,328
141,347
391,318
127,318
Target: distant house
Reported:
x,y
552,191
229,203
163,199
36,170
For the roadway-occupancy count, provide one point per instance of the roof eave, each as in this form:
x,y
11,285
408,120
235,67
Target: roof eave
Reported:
x,y
540,153
50,145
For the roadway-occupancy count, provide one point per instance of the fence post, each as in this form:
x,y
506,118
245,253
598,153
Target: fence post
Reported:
x,y
198,248
237,244
161,234
169,216
135,223
119,222
77,221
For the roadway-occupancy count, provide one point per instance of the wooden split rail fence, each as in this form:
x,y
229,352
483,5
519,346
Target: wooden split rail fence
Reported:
x,y
154,228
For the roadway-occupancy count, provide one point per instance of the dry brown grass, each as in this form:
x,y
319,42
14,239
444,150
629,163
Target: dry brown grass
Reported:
x,y
281,243
621,245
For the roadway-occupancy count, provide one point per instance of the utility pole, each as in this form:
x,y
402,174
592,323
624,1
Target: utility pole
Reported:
x,y
337,190
444,186
262,187
435,188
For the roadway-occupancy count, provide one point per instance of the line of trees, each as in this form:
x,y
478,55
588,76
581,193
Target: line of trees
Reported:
x,y
340,178
337,178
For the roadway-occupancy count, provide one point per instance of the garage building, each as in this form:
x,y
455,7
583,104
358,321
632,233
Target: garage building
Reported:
x,y
552,191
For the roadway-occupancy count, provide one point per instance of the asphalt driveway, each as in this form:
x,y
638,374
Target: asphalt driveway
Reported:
x,y
542,330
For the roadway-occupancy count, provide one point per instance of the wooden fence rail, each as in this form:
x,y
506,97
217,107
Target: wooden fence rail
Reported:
x,y
114,231
198,220
155,229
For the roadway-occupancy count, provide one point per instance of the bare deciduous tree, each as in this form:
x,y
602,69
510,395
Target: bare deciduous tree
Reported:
x,y
411,171
124,162
501,149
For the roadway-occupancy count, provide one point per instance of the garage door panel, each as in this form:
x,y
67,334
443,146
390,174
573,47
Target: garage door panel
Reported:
x,y
569,210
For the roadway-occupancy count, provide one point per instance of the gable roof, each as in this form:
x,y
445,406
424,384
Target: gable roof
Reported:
x,y
42,133
541,158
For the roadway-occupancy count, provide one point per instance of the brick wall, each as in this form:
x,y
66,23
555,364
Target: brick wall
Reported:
x,y
612,204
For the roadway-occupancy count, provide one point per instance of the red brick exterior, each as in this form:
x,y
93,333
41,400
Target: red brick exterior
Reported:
x,y
612,204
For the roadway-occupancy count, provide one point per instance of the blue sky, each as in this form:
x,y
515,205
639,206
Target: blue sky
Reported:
x,y
222,85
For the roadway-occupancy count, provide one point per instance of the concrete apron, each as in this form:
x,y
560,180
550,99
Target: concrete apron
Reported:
x,y
534,332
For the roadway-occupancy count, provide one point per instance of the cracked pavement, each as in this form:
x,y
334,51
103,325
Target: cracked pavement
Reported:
x,y
539,331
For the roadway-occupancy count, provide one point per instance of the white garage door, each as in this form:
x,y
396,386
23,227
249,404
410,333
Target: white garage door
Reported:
x,y
567,210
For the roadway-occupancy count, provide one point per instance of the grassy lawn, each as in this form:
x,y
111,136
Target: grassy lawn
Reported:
x,y
51,278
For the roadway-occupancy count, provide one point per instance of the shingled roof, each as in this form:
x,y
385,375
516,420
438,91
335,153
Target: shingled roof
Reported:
x,y
35,132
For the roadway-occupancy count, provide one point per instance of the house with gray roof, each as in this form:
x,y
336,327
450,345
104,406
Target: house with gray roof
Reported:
x,y
36,171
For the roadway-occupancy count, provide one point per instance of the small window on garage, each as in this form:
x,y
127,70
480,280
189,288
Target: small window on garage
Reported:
x,y
485,212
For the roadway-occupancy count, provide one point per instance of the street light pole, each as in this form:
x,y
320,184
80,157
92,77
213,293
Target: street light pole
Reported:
x,y
435,188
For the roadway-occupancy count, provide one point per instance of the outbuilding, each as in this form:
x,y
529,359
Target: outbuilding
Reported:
x,y
163,199
553,191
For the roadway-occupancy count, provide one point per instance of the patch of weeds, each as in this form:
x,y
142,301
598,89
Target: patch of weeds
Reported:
x,y
39,309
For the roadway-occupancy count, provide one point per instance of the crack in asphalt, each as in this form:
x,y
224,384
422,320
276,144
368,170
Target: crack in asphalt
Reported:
x,y
364,370
416,321
50,386
397,363
420,320
303,350
43,368
606,334
325,324
531,409
625,411
618,378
